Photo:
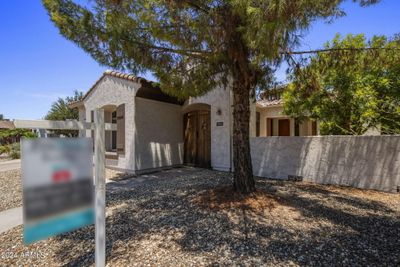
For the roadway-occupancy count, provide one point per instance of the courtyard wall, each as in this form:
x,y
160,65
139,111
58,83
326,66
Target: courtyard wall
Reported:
x,y
370,162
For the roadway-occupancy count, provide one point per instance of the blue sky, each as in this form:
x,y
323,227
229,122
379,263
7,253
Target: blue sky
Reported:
x,y
38,65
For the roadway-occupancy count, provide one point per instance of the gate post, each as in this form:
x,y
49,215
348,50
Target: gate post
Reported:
x,y
99,175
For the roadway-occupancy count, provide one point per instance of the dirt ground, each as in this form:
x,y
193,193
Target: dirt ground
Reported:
x,y
188,217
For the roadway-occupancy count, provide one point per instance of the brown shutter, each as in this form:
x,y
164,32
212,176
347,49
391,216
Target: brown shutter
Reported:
x,y
121,129
270,126
258,116
313,128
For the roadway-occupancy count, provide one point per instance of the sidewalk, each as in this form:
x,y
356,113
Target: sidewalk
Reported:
x,y
10,165
10,219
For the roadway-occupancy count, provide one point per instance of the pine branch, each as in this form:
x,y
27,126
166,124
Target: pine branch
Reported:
x,y
185,52
337,50
197,6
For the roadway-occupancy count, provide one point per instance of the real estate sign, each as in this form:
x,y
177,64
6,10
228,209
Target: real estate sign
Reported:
x,y
58,191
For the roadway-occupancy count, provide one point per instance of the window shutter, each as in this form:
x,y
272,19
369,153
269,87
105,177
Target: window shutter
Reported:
x,y
313,128
121,129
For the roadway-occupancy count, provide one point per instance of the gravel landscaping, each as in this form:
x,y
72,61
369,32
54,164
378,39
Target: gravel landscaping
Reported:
x,y
176,218
11,186
10,189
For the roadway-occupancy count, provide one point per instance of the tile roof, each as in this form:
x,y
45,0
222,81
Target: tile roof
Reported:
x,y
268,103
151,92
7,125
128,77
125,76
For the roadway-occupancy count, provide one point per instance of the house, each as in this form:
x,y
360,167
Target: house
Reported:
x,y
6,125
155,130
271,120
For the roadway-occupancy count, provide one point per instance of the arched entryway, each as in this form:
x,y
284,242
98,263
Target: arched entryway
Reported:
x,y
197,134
114,140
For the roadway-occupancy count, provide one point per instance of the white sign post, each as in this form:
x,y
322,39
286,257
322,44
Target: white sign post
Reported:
x,y
99,128
100,188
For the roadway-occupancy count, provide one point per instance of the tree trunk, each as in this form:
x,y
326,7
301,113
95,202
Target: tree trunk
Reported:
x,y
243,173
244,79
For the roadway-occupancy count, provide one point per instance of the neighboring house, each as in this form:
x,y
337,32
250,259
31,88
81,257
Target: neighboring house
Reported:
x,y
271,121
155,130
6,125
15,136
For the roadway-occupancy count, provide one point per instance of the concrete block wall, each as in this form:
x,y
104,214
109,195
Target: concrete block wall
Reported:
x,y
369,162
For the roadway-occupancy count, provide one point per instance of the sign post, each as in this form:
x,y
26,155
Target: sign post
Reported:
x,y
100,188
99,128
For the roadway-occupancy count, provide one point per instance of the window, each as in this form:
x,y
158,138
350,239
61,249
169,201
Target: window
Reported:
x,y
114,117
114,133
296,127
257,124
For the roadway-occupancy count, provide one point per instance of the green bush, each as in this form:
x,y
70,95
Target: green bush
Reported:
x,y
15,152
5,149
13,135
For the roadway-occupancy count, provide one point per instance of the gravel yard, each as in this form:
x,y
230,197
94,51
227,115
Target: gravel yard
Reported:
x,y
166,221
10,189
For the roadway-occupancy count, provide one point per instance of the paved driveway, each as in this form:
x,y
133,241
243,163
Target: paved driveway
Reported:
x,y
10,165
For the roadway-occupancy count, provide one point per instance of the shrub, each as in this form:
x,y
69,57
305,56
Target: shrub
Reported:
x,y
15,151
5,149
14,135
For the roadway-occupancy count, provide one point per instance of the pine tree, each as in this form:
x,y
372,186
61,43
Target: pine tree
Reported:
x,y
194,45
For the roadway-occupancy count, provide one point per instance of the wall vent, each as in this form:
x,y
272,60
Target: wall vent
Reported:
x,y
295,178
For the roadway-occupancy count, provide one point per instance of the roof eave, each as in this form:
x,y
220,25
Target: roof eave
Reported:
x,y
75,104
270,106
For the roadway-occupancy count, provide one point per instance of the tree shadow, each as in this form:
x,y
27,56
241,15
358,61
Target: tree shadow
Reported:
x,y
350,230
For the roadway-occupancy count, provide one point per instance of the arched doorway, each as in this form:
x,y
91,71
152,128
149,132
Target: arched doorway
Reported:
x,y
197,134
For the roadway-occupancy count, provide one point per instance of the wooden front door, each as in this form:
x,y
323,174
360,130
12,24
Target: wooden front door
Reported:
x,y
197,139
284,127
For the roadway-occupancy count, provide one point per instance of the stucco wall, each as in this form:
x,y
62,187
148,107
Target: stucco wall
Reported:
x,y
274,111
159,134
361,161
218,98
116,91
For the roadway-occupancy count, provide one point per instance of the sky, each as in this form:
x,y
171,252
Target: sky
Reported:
x,y
38,65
